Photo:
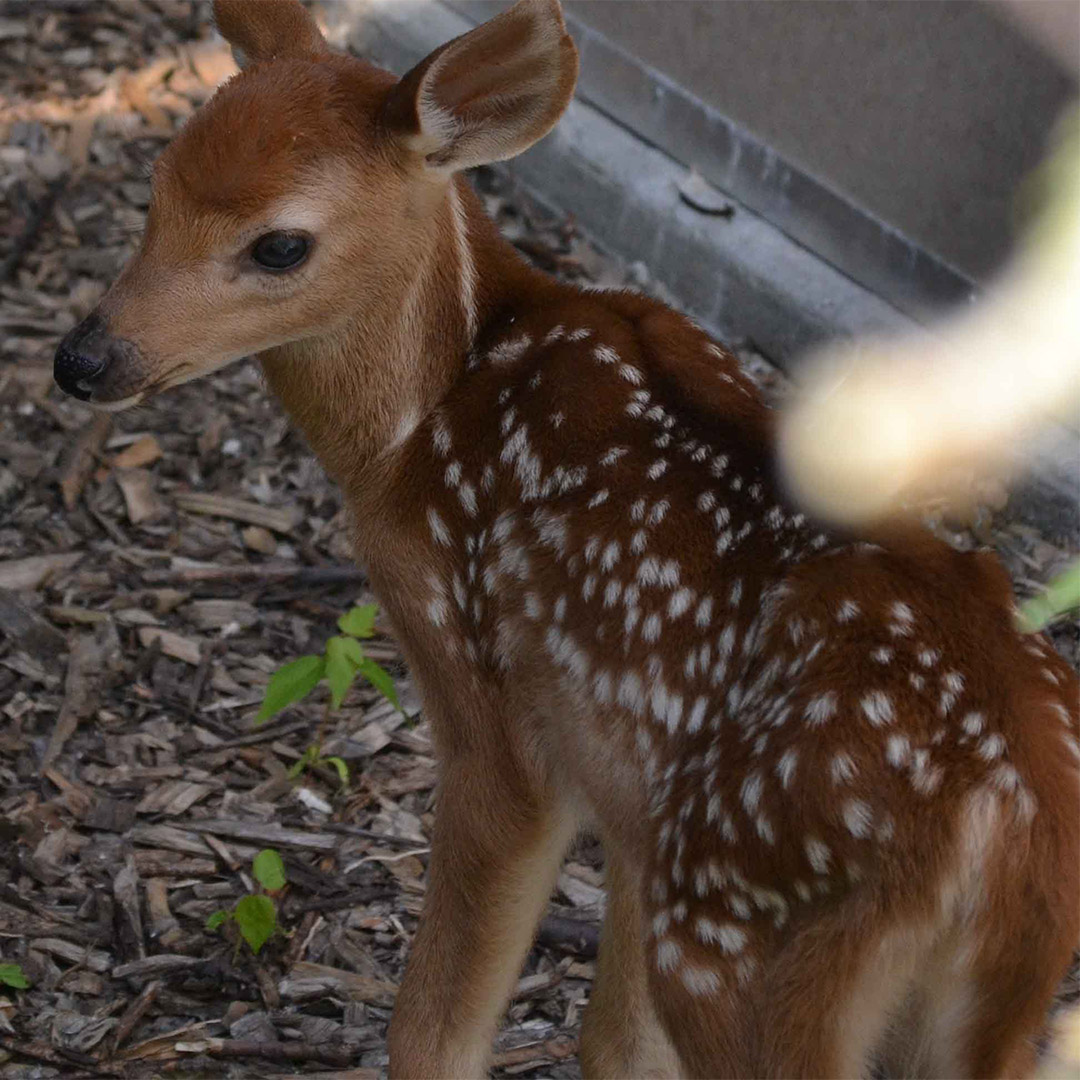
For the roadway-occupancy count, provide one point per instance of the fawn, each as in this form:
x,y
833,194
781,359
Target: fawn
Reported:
x,y
837,790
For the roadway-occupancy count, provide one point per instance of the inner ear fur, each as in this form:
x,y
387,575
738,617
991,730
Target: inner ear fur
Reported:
x,y
489,94
264,29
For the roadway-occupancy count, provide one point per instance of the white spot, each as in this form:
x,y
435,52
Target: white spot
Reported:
x,y
751,792
439,532
785,767
467,495
993,746
929,657
704,612
657,469
580,334
731,938
817,854
506,352
821,708
610,556
680,603
973,723
883,654
650,628
559,610
631,374
842,768
668,956
847,611
736,593
857,818
598,499
697,715
706,501
602,690
440,435
700,981
658,512
438,611
897,749
631,694
588,587
878,708
605,354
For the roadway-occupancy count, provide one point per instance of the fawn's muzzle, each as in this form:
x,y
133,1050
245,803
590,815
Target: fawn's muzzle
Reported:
x,y
84,357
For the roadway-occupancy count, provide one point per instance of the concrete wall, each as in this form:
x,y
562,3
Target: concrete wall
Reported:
x,y
926,115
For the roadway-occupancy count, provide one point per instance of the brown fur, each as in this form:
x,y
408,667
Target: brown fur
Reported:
x,y
568,505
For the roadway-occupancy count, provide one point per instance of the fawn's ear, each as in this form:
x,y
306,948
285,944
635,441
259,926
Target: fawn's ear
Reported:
x,y
489,94
262,29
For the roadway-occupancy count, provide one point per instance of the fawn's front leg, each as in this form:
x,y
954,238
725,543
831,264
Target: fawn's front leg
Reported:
x,y
500,836
621,1035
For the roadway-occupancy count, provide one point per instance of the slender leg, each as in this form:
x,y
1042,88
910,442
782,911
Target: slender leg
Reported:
x,y
497,848
621,1035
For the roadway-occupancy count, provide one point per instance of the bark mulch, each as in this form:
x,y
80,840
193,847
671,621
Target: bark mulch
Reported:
x,y
155,568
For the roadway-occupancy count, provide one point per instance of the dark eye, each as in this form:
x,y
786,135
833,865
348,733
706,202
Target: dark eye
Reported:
x,y
280,250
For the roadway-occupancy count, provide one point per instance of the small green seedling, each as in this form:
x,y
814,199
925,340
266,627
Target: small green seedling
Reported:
x,y
1060,596
255,915
341,661
12,975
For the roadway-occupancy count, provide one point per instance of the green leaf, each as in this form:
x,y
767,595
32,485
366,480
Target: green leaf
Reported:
x,y
216,919
379,678
269,870
12,975
257,918
310,755
359,622
289,684
1060,596
342,656
342,769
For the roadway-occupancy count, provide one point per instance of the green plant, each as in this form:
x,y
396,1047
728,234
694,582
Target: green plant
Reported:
x,y
12,975
255,915
340,663
1060,596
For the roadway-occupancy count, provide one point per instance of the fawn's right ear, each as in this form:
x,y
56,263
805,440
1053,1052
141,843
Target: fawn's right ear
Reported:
x,y
489,94
259,30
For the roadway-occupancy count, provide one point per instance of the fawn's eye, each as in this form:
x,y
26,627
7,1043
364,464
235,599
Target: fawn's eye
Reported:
x,y
280,250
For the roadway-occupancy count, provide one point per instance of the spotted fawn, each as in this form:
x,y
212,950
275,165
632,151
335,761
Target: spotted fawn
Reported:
x,y
837,790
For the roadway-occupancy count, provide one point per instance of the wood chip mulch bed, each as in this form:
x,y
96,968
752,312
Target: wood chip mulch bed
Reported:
x,y
155,568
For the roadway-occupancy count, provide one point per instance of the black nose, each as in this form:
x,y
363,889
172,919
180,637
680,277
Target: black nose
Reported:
x,y
82,357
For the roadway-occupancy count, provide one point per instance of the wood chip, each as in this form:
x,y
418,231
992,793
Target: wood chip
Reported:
x,y
309,980
28,630
267,835
137,487
33,572
172,644
256,538
81,457
173,798
144,451
282,521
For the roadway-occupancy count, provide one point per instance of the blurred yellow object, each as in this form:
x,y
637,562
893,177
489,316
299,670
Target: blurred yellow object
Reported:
x,y
882,421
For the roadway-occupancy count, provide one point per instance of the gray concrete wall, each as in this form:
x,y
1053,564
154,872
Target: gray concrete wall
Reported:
x,y
927,115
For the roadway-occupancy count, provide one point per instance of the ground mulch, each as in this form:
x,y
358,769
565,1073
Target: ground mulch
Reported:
x,y
155,568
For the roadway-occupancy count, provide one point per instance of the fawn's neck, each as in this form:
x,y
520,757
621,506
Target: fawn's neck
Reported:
x,y
358,393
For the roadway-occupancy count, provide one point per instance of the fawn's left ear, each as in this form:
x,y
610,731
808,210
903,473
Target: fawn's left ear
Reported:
x,y
489,94
260,30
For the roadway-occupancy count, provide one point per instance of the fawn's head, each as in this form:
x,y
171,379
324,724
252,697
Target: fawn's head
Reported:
x,y
303,195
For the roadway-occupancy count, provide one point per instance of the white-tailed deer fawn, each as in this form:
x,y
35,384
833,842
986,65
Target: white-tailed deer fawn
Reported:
x,y
838,792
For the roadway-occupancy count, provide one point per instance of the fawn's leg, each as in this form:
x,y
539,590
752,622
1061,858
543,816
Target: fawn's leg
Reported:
x,y
499,839
621,1035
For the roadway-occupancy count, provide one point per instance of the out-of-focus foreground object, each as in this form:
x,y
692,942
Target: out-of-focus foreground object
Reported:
x,y
885,423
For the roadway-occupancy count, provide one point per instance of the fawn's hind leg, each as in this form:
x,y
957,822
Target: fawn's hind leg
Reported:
x,y
499,839
621,1035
